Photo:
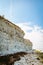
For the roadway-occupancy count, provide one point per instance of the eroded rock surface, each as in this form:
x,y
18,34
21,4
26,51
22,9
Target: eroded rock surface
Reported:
x,y
12,41
10,59
14,49
11,38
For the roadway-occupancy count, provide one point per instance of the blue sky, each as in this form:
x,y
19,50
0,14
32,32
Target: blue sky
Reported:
x,y
23,10
28,14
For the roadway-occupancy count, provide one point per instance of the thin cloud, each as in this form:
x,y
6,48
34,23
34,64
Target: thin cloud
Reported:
x,y
11,8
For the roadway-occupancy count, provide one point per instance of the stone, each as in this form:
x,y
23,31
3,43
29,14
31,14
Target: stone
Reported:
x,y
12,38
11,58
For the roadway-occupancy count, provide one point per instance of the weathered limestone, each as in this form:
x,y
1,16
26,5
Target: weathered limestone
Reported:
x,y
11,38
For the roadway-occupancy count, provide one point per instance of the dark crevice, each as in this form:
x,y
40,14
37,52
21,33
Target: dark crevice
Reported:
x,y
11,58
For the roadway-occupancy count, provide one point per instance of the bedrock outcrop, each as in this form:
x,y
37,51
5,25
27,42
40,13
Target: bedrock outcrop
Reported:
x,y
14,49
12,38
12,42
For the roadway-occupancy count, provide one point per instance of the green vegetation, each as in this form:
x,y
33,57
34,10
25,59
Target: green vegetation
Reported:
x,y
41,56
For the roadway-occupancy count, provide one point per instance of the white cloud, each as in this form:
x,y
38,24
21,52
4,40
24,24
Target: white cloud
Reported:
x,y
25,26
35,35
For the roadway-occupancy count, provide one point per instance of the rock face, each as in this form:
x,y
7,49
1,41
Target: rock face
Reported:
x,y
13,46
11,38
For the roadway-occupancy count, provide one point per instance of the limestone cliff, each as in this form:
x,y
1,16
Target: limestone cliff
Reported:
x,y
11,38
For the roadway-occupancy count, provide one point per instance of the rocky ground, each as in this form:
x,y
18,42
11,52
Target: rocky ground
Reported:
x,y
29,59
21,58
10,59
